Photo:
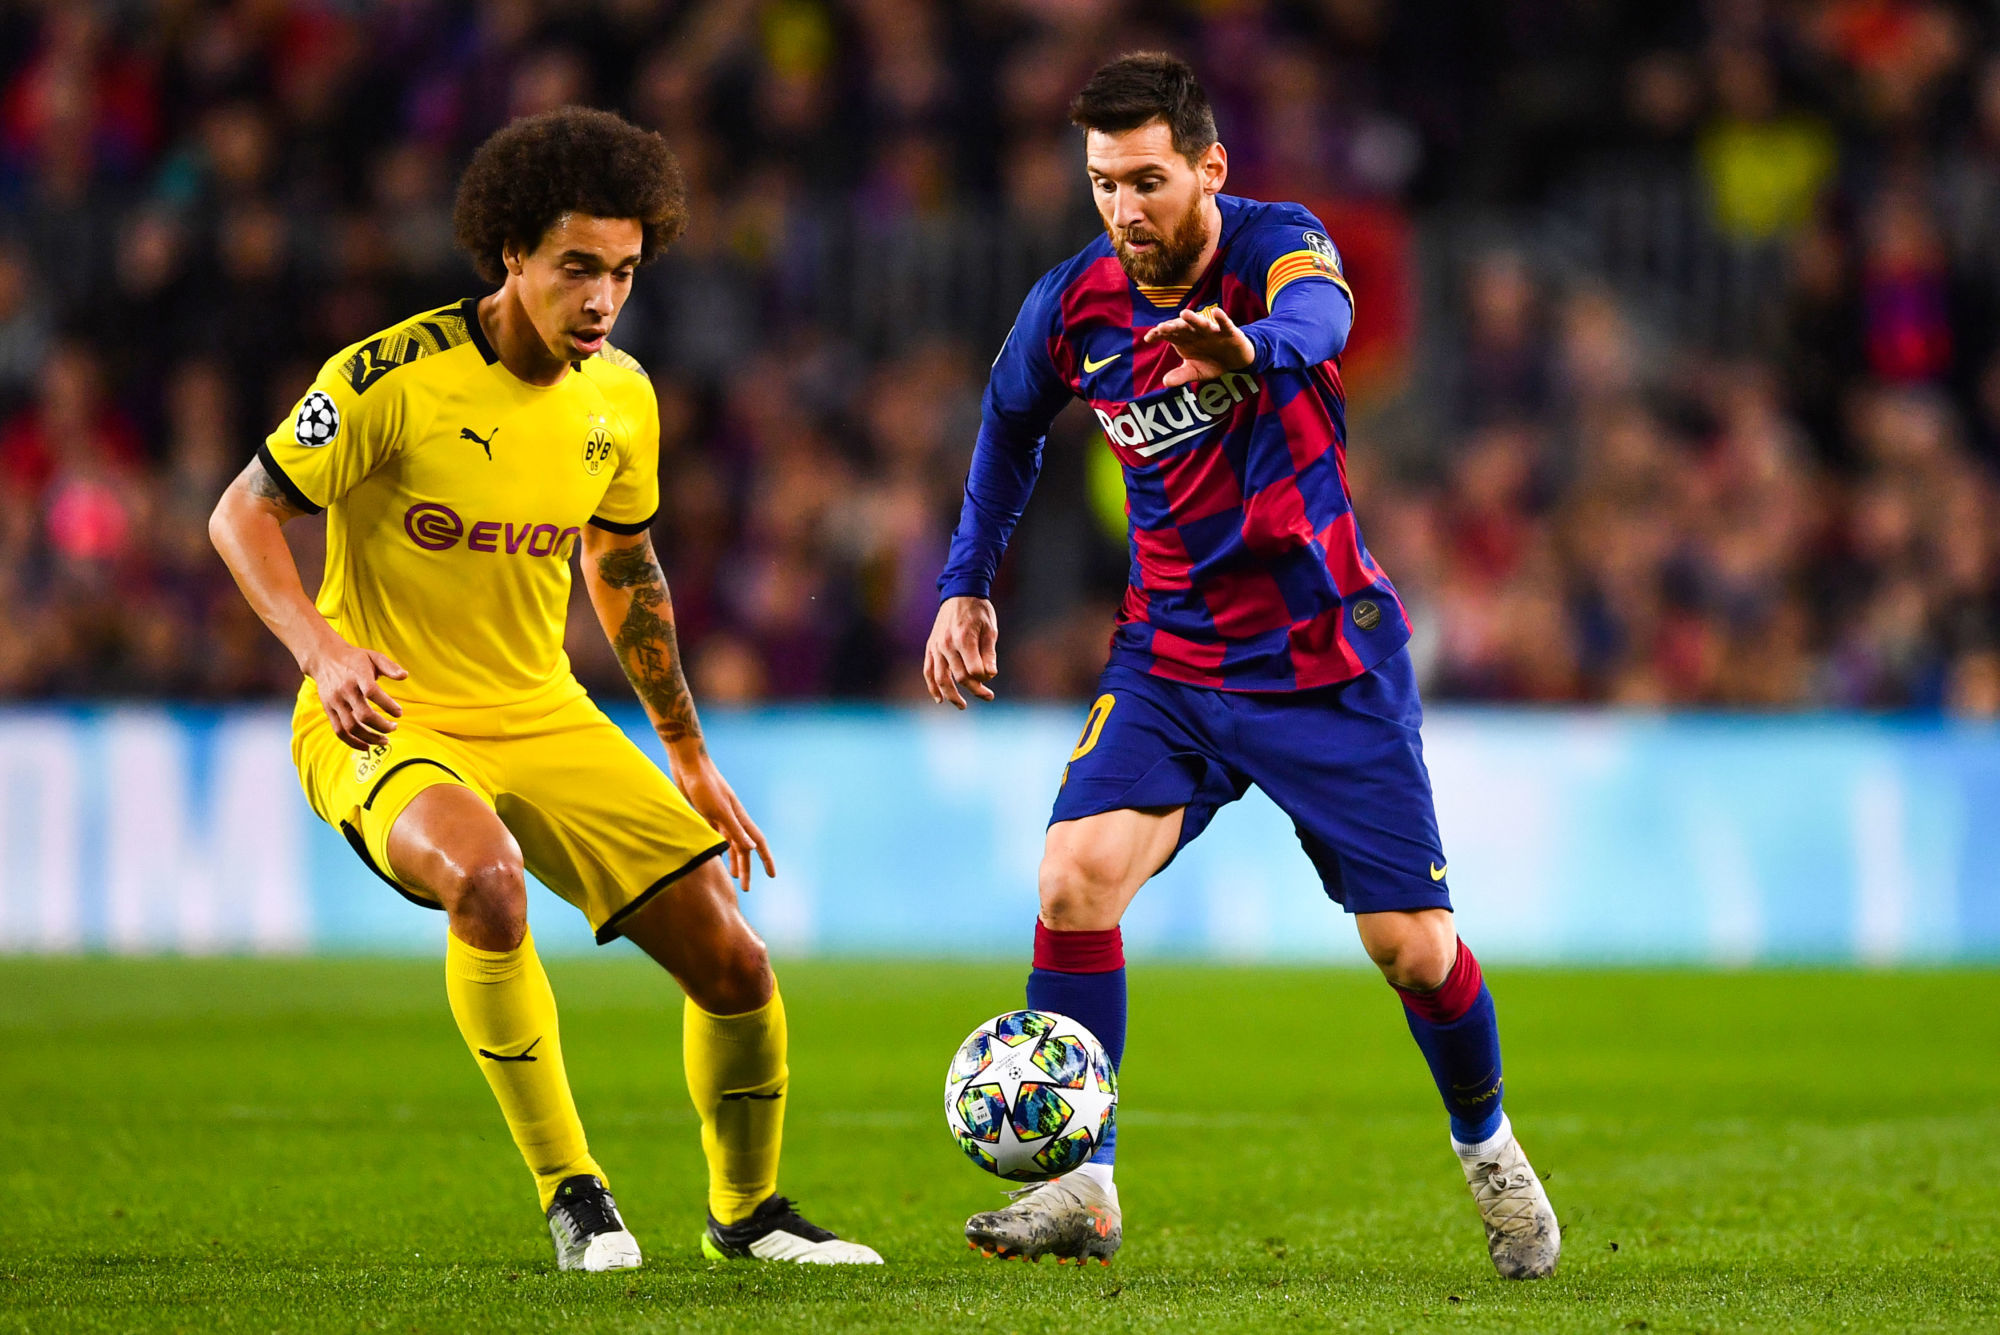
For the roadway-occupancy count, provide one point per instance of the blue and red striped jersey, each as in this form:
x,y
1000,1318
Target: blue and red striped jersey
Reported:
x,y
1248,571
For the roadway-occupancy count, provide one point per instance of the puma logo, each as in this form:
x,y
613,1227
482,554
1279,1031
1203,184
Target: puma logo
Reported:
x,y
521,1056
467,433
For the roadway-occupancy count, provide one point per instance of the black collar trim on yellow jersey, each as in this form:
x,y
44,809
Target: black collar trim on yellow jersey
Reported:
x,y
470,308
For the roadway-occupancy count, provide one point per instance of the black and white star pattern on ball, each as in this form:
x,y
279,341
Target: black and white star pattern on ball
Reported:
x,y
318,421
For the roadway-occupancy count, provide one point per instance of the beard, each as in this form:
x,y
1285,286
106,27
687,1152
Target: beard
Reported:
x,y
1170,258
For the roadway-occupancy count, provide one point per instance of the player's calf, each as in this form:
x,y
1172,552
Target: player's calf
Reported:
x,y
1091,869
1082,975
1458,1031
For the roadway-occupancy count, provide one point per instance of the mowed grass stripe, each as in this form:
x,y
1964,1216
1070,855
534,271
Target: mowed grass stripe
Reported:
x,y
304,1145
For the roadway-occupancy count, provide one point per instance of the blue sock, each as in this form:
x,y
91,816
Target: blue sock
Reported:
x,y
1082,975
1459,1034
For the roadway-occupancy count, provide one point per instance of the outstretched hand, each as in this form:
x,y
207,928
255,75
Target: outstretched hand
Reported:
x,y
702,784
964,651
1209,343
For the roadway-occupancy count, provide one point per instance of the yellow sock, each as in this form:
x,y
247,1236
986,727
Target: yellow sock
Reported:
x,y
736,1073
507,1013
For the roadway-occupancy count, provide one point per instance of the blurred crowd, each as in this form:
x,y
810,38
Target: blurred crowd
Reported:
x,y
200,200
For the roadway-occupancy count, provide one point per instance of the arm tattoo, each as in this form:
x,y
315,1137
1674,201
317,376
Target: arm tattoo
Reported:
x,y
645,643
265,488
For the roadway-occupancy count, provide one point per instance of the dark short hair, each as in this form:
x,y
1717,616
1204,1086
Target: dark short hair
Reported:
x,y
528,174
1144,86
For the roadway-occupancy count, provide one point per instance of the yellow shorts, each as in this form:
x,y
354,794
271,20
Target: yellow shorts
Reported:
x,y
597,822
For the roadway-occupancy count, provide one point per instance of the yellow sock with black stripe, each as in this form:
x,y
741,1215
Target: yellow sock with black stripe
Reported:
x,y
507,1014
736,1074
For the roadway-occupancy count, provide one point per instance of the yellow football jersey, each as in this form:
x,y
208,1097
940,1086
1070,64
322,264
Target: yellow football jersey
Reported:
x,y
456,495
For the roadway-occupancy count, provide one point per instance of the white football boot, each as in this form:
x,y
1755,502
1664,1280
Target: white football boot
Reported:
x,y
776,1231
1522,1235
1073,1218
589,1233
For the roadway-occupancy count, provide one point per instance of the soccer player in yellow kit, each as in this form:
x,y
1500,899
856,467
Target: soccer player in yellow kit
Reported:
x,y
464,458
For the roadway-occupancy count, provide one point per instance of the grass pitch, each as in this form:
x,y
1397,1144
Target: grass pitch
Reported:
x,y
248,1145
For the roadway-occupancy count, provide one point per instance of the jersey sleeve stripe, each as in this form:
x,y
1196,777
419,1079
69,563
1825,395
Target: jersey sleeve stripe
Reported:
x,y
613,526
299,500
1287,269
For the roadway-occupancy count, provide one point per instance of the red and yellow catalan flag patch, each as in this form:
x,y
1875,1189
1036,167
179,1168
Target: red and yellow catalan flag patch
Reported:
x,y
1316,259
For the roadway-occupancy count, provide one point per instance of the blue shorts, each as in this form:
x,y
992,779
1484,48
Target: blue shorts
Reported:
x,y
1345,762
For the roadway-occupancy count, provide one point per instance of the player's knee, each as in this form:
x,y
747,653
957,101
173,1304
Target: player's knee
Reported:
x,y
1412,953
490,897
738,979
1080,889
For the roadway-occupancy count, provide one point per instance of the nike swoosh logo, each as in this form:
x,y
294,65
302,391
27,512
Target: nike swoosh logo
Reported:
x,y
521,1056
1437,872
1089,365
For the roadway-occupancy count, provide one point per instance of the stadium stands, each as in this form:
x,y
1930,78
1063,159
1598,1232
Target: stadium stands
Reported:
x,y
1697,400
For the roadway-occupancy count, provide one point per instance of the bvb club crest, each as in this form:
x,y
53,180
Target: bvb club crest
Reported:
x,y
596,450
369,761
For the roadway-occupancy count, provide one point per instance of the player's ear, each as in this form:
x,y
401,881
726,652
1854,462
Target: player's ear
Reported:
x,y
513,258
1213,168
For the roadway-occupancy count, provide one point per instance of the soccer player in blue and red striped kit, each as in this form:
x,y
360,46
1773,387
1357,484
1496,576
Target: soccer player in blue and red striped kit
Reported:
x,y
1258,642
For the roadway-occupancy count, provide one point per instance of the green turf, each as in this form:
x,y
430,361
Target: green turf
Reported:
x,y
248,1145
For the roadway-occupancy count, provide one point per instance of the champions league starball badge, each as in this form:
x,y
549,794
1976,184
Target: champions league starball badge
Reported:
x,y
318,421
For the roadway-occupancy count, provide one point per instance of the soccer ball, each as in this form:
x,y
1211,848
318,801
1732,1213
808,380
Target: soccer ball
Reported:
x,y
318,420
1029,1095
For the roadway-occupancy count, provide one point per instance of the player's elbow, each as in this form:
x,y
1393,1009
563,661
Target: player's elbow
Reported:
x,y
222,522
234,521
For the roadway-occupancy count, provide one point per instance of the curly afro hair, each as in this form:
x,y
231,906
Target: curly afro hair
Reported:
x,y
572,160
